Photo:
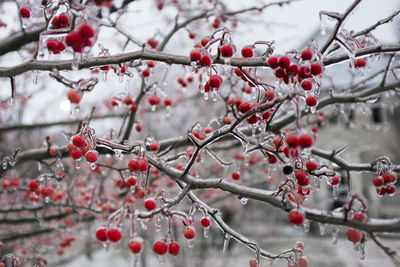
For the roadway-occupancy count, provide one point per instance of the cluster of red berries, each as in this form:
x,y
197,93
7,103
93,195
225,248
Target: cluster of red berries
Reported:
x,y
46,191
10,181
138,165
214,83
161,247
204,60
154,100
79,148
131,181
112,234
61,21
56,47
360,63
81,38
152,43
385,183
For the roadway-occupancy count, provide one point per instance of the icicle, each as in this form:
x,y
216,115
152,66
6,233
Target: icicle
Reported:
x,y
317,183
190,242
75,61
153,108
335,191
362,250
39,166
227,238
118,153
135,259
205,96
104,75
243,200
157,226
227,61
165,77
214,95
93,166
322,228
322,24
161,258
306,225
47,199
143,224
35,76
206,230
335,232
77,164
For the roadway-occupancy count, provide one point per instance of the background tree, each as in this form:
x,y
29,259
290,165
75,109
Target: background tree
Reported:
x,y
171,132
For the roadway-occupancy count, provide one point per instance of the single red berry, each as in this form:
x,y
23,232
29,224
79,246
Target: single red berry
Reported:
x,y
75,153
189,232
192,35
91,156
33,185
154,100
154,147
86,31
316,69
144,164
134,165
377,181
300,175
79,141
226,51
135,246
74,97
311,166
296,217
205,61
311,101
292,70
101,234
269,95
205,222
63,21
273,62
280,73
167,102
306,85
236,176
335,180
173,248
24,12
160,247
305,72
284,62
303,262
292,140
145,73
195,55
215,81
306,54
149,204
247,52
205,41
46,191
138,127
360,63
114,234
305,141
60,46
131,181
52,45
75,40
389,177
353,235
390,189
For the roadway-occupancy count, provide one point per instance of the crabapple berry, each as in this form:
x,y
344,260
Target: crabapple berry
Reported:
x,y
149,204
173,248
195,55
135,246
79,141
284,62
33,185
226,51
205,222
75,153
306,54
205,61
86,31
360,63
316,69
247,52
134,165
189,232
273,62
353,235
24,12
114,235
160,247
292,140
91,156
101,234
335,180
296,217
311,101
46,191
311,166
306,85
305,141
303,262
74,97
236,176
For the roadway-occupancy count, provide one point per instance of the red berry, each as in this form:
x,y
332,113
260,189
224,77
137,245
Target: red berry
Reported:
x,y
173,248
389,177
226,51
311,101
305,141
205,61
300,175
305,72
306,85
91,156
360,63
144,164
52,45
24,12
273,62
33,185
205,222
75,40
244,107
306,54
135,246
154,147
215,81
167,102
316,69
192,35
86,31
377,181
79,141
134,165
149,204
114,235
311,166
60,46
195,55
46,191
205,41
292,140
236,176
296,217
131,181
303,262
138,127
145,73
160,247
63,21
335,180
353,235
247,52
101,234
75,153
189,232
269,95
74,97
152,43
284,62
390,189
154,100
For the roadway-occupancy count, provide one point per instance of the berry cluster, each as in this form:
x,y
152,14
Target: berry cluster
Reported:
x,y
106,3
56,47
81,38
385,183
79,148
61,21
